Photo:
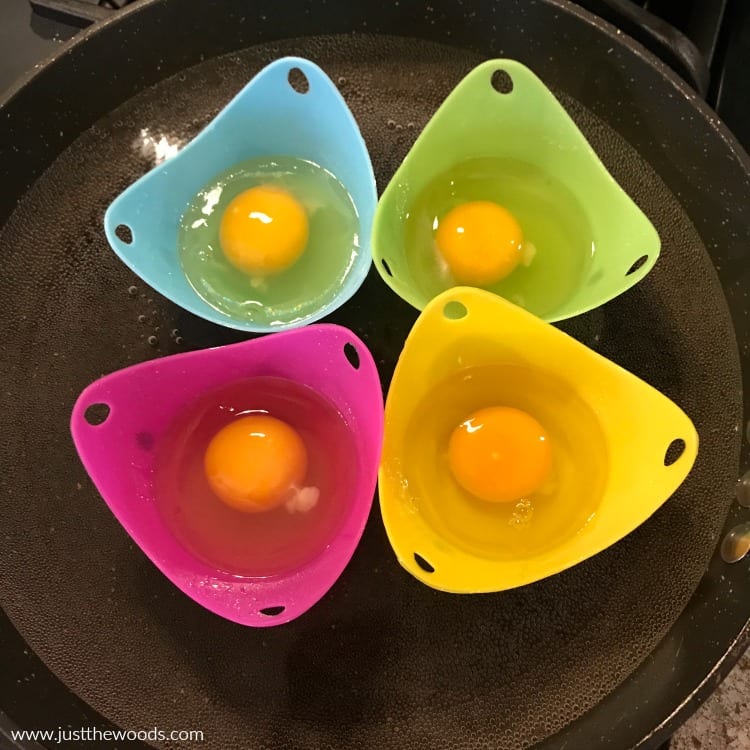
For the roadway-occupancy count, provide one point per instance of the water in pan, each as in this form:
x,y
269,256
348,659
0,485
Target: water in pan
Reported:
x,y
382,661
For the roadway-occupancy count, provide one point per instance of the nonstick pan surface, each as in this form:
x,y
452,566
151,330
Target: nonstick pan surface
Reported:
x,y
382,661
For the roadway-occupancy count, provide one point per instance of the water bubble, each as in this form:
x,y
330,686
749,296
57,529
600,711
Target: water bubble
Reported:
x,y
174,333
132,290
178,340
742,491
736,543
342,80
141,318
152,340
522,514
391,124
399,127
410,125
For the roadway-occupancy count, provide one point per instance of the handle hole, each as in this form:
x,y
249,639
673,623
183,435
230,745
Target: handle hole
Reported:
x,y
637,265
124,233
96,414
455,310
386,267
351,353
272,611
298,81
674,450
423,563
502,82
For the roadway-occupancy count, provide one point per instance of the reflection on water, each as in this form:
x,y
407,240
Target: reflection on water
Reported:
x,y
156,147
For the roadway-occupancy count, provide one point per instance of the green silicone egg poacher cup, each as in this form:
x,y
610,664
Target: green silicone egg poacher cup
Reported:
x,y
502,110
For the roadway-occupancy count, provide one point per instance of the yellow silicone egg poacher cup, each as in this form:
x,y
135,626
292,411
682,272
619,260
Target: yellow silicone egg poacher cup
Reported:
x,y
639,428
524,124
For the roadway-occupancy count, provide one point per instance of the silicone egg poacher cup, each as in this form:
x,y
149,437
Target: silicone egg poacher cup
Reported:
x,y
467,327
526,124
145,398
268,117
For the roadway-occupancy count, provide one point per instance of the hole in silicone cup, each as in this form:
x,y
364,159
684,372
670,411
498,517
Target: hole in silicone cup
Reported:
x,y
386,267
675,449
96,414
455,310
351,353
423,563
298,81
637,265
124,233
502,82
272,611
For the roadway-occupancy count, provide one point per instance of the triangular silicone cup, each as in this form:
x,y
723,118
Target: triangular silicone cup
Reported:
x,y
528,125
267,118
146,398
636,424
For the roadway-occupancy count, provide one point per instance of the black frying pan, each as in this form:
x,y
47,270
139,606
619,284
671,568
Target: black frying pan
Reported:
x,y
614,653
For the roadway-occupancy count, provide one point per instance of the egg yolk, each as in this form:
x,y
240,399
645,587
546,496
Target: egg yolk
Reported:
x,y
500,454
480,241
263,231
255,463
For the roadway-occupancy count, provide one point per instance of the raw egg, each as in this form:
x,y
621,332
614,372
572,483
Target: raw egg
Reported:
x,y
255,476
501,225
480,241
500,454
270,240
499,481
255,463
264,230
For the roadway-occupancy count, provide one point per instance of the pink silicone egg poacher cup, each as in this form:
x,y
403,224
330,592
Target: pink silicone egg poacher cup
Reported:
x,y
143,400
